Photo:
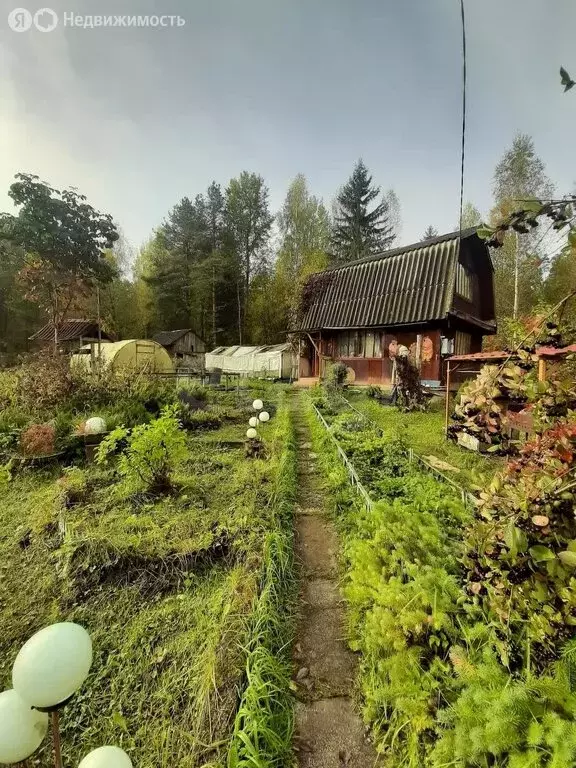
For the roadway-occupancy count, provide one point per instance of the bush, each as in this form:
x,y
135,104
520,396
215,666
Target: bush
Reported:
x,y
38,440
336,374
152,453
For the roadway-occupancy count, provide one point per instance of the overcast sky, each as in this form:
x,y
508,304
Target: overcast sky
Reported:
x,y
137,118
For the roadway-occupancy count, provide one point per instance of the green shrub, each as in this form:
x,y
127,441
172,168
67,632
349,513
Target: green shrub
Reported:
x,y
195,390
336,374
501,720
152,453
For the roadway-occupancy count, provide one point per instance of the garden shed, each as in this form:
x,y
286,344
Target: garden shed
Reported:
x,y
131,354
272,360
184,346
435,297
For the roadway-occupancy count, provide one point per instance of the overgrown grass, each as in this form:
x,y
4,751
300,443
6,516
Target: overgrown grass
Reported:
x,y
424,432
176,591
264,723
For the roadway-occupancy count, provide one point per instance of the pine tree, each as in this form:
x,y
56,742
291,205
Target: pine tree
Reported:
x,y
430,232
358,231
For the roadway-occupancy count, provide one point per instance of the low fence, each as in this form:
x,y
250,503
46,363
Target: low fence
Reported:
x,y
353,475
467,498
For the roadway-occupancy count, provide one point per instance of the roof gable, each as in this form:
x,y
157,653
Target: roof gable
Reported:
x,y
413,284
167,338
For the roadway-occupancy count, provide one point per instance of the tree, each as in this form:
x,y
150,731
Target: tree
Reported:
x,y
249,223
518,177
430,232
19,318
304,228
64,239
358,231
471,216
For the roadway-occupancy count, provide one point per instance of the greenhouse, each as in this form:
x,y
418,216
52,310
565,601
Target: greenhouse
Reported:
x,y
136,354
270,361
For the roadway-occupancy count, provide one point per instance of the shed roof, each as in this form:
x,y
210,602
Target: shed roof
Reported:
x,y
68,330
238,351
412,284
167,338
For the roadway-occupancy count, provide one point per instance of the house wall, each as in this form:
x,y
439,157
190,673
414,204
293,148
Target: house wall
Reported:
x,y
377,369
188,351
188,344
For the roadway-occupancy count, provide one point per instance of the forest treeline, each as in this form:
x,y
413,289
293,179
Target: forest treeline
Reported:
x,y
224,263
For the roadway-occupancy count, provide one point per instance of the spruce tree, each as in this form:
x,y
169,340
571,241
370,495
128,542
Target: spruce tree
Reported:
x,y
358,231
430,233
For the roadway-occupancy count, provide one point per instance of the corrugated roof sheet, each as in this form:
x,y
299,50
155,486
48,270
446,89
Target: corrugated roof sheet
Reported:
x,y
495,355
405,285
69,330
167,338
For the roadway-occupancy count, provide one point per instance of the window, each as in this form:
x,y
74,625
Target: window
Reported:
x,y
342,347
358,344
464,282
462,343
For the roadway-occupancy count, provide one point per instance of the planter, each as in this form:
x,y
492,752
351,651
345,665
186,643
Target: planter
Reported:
x,y
471,443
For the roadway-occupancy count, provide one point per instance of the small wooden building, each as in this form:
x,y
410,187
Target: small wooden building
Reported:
x,y
71,335
184,346
435,297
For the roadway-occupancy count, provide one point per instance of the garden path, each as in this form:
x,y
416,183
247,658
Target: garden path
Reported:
x,y
328,731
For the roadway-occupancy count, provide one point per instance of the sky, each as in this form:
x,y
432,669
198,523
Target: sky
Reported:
x,y
137,118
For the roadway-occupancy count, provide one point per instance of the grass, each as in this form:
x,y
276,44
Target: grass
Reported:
x,y
182,595
263,728
424,432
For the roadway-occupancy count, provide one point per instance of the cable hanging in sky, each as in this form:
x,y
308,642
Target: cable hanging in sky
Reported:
x,y
463,113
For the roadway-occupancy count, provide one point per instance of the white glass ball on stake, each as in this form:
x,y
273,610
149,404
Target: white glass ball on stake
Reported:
x,y
251,434
94,426
257,405
253,421
52,664
22,729
106,757
264,416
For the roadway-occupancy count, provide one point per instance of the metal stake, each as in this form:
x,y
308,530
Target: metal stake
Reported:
x,y
56,739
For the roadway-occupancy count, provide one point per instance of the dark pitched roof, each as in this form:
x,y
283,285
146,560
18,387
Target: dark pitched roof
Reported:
x,y
68,330
405,285
167,338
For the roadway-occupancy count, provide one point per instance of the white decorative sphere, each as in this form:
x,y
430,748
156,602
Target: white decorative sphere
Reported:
x,y
253,421
22,728
106,757
251,434
257,405
95,426
53,664
264,416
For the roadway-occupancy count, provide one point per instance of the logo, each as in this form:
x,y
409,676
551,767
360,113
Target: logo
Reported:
x,y
45,20
20,20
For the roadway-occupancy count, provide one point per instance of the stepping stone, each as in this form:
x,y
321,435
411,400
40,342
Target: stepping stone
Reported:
x,y
322,593
316,546
331,664
331,735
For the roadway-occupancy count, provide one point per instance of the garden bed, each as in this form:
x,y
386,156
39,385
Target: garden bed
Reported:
x,y
462,617
169,585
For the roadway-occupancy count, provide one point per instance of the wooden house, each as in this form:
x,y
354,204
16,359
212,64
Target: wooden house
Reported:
x,y
435,297
184,346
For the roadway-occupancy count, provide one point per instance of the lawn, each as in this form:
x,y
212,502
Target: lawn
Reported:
x,y
166,584
424,433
